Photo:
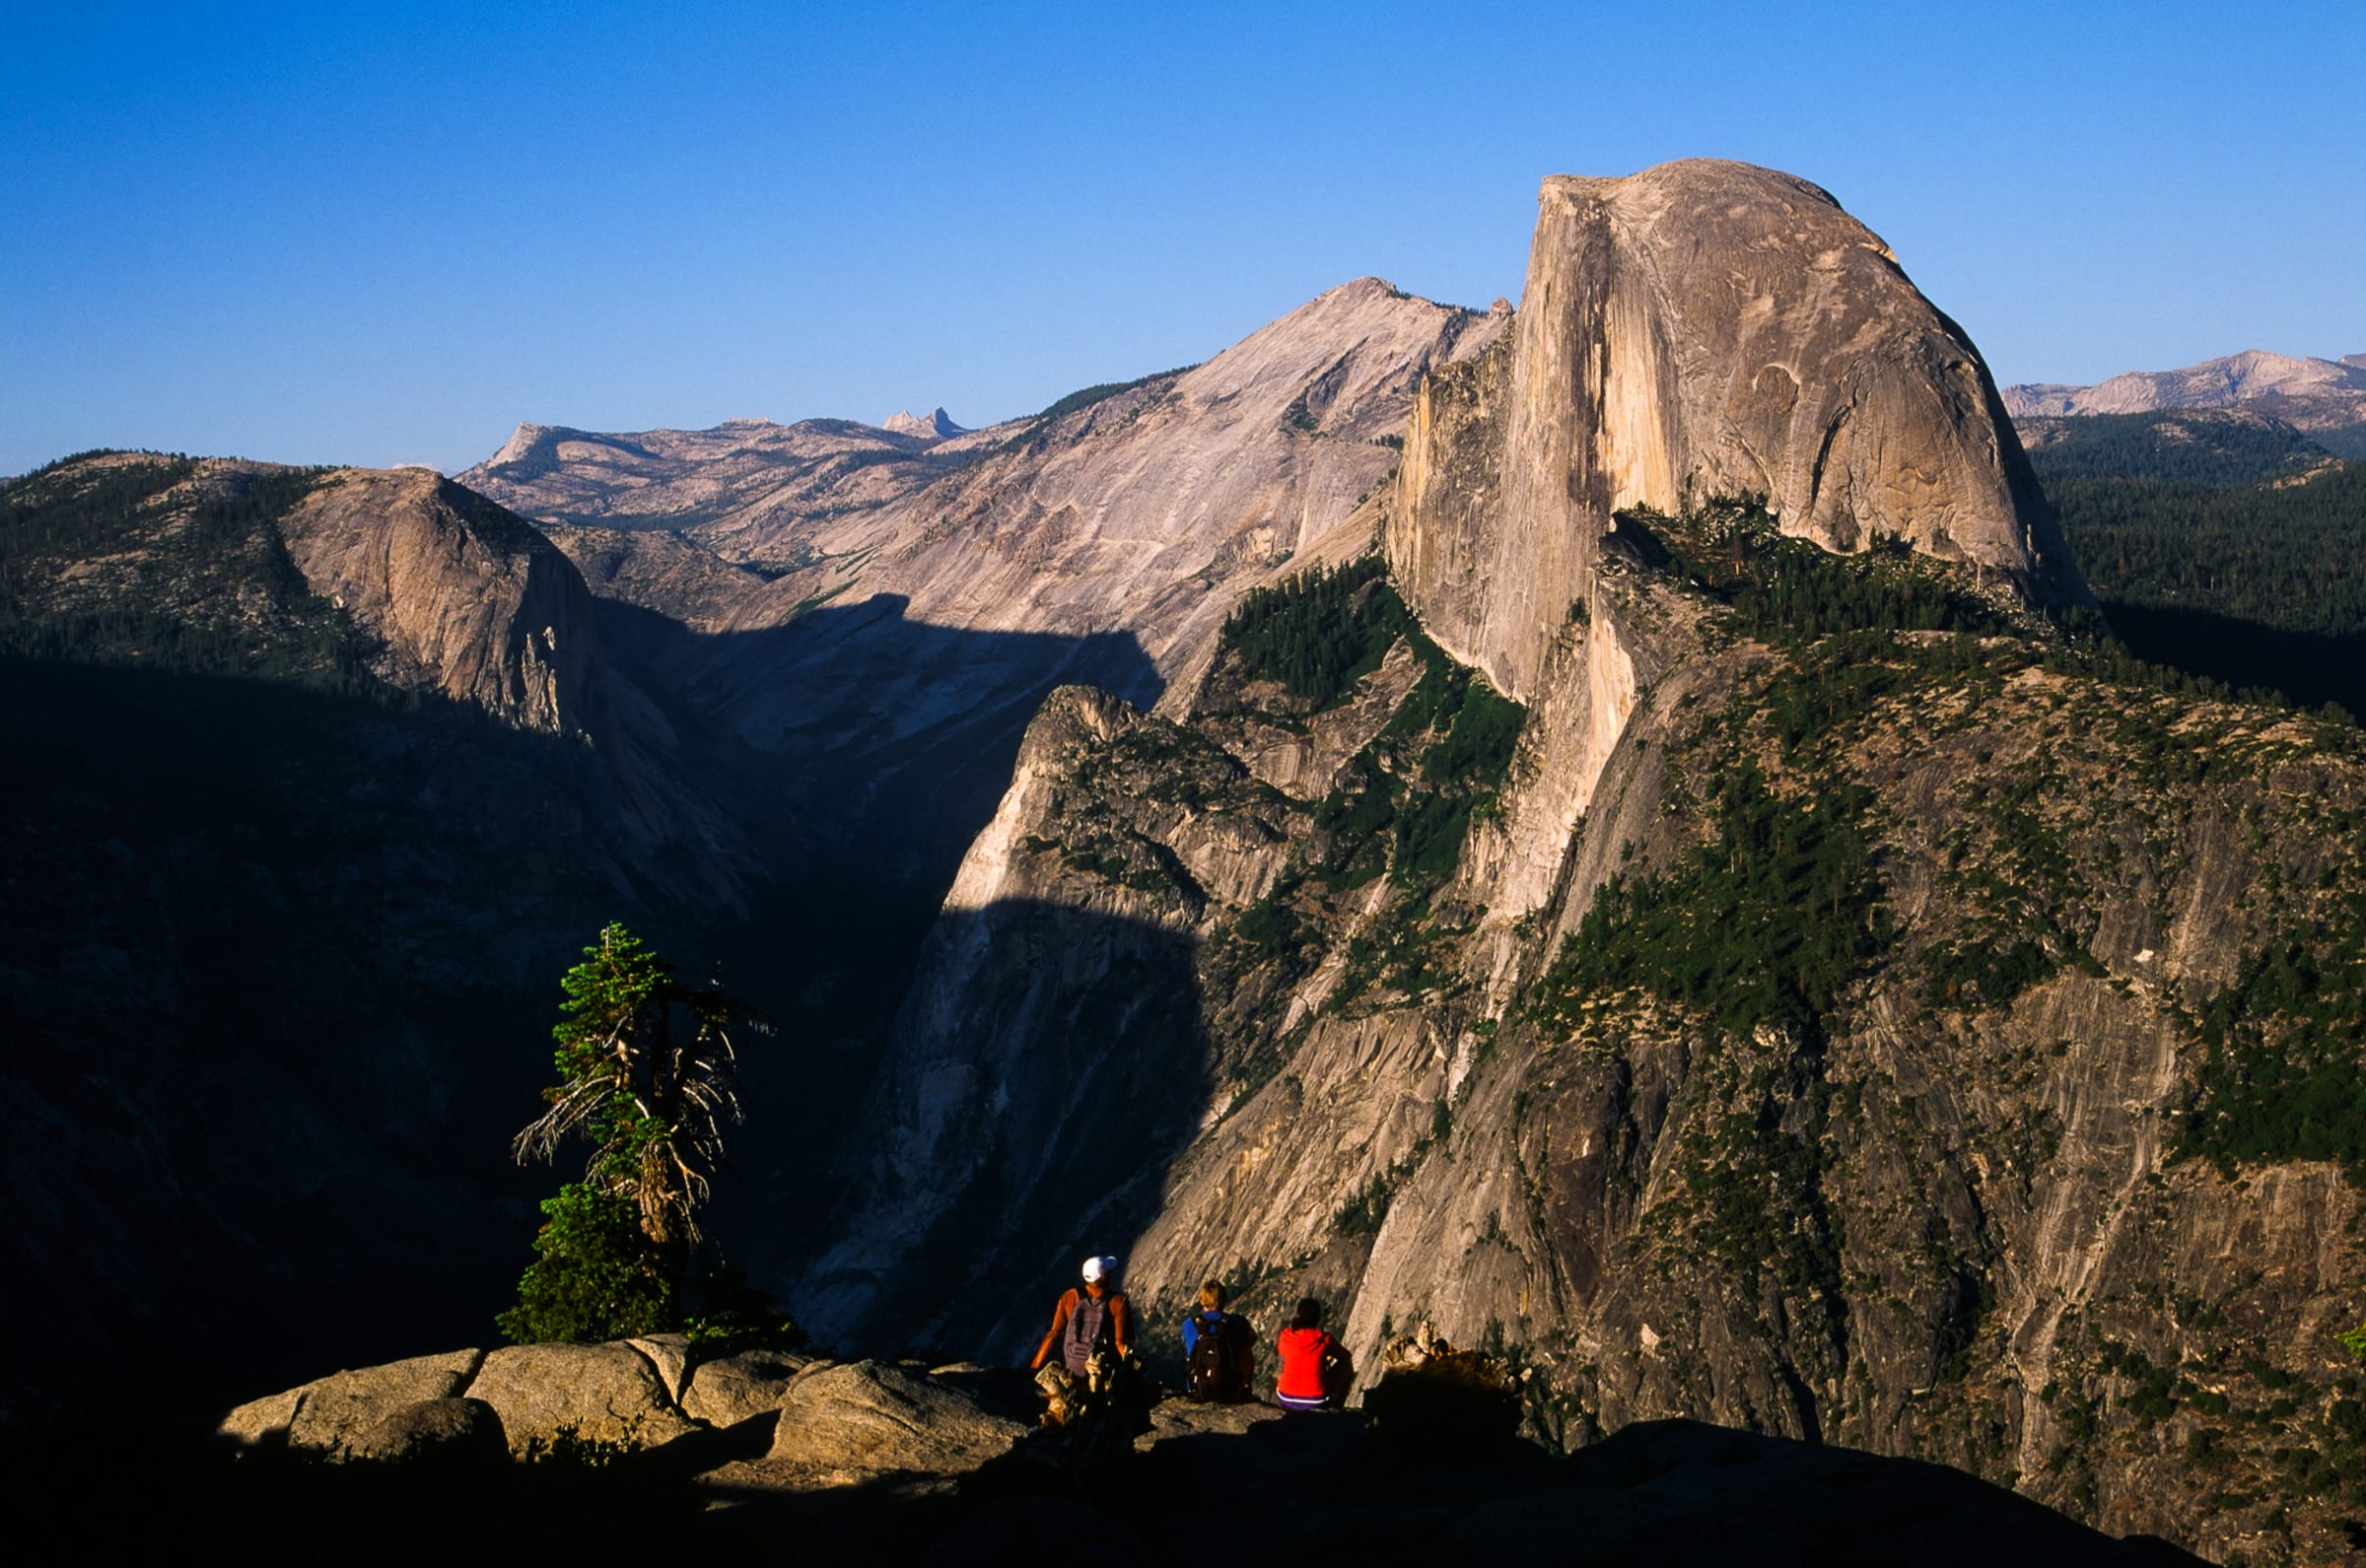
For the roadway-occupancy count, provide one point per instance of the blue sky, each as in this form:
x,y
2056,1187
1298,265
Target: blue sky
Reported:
x,y
350,233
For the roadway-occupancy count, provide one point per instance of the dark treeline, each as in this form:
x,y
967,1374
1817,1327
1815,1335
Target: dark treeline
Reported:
x,y
2205,447
1790,591
1319,632
2215,555
144,563
2291,556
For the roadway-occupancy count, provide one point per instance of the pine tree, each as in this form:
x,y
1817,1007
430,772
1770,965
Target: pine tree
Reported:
x,y
647,1070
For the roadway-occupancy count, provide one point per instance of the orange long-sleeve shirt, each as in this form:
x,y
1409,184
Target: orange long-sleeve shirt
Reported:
x,y
1121,1324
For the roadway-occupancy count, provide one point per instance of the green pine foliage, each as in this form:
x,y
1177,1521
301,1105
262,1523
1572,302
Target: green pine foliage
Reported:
x,y
648,1074
2289,556
1765,924
1789,591
1404,804
2187,446
592,1278
1085,397
2236,553
620,988
147,562
1319,632
2284,1072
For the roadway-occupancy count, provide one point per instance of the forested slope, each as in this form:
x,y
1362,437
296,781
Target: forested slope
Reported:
x,y
2225,544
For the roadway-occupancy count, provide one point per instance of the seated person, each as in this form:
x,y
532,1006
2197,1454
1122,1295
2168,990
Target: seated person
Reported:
x,y
1316,1369
1223,1370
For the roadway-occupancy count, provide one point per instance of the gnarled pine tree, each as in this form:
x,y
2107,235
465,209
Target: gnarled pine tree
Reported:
x,y
647,1070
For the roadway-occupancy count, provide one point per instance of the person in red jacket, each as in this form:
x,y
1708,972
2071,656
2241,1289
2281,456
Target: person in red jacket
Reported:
x,y
1314,1367
1089,1319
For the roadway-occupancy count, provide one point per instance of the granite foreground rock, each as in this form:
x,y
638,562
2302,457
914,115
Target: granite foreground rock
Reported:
x,y
870,1416
901,1463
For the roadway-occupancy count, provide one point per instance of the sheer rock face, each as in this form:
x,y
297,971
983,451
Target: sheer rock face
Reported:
x,y
1932,1227
467,601
1698,328
1049,1043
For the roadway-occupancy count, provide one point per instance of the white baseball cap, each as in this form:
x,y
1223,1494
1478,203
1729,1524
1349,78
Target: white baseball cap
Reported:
x,y
1096,1268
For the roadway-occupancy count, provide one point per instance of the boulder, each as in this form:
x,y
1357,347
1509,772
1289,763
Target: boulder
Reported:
x,y
1174,1418
669,1354
608,1394
866,1417
337,1409
261,1420
733,1388
332,1413
440,1432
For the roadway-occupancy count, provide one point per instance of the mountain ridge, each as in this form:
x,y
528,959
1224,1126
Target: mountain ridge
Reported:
x,y
2326,399
1761,989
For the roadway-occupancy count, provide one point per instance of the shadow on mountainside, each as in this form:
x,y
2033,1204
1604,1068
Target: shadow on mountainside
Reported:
x,y
280,970
876,748
276,974
2308,667
1050,1064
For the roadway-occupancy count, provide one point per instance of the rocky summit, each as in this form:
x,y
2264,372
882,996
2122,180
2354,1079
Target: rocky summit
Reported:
x,y
938,426
1684,914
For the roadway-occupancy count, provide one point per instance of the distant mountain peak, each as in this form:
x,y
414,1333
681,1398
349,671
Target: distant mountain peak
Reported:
x,y
520,442
2339,385
938,426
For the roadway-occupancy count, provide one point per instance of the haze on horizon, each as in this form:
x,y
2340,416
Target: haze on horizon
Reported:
x,y
389,234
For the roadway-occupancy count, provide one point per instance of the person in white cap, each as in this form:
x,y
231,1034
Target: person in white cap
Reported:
x,y
1089,1317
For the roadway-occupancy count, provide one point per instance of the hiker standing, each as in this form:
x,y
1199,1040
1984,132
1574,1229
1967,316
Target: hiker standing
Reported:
x,y
1219,1352
1097,1316
1316,1369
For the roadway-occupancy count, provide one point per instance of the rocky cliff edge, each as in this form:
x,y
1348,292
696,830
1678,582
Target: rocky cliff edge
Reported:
x,y
1700,328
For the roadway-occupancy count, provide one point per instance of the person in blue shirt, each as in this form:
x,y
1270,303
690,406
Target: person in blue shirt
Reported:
x,y
1224,1369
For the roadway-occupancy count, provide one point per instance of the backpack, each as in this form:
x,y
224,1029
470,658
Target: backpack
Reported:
x,y
1213,1371
1089,1331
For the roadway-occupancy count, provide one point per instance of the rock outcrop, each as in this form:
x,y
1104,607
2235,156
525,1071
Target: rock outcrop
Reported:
x,y
606,1393
1697,329
873,1417
1796,1033
896,1463
938,426
464,600
729,1389
830,1423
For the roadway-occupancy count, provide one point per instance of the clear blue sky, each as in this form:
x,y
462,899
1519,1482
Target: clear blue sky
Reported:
x,y
380,234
